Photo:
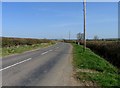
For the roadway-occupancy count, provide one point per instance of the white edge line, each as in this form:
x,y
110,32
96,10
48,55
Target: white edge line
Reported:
x,y
15,64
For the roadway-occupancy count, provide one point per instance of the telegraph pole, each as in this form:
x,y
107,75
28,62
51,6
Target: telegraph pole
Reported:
x,y
84,6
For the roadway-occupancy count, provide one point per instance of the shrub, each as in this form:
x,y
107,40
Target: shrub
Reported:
x,y
8,42
110,50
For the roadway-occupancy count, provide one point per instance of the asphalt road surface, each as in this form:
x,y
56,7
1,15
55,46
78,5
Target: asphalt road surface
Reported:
x,y
44,67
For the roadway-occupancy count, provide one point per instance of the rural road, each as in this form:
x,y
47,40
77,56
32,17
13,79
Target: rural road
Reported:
x,y
44,67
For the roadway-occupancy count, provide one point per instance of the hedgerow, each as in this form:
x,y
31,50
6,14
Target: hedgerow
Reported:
x,y
110,50
8,42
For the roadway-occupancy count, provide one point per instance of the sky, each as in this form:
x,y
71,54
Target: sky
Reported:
x,y
54,20
119,20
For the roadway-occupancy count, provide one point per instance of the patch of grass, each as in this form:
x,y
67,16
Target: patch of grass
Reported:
x,y
102,79
20,49
107,74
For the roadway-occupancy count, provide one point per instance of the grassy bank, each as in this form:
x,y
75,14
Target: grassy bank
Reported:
x,y
111,50
91,67
22,48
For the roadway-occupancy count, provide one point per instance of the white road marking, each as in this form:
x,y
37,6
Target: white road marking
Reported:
x,y
22,61
15,64
44,52
57,47
50,50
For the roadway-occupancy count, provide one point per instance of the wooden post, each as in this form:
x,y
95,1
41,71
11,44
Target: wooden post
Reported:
x,y
84,3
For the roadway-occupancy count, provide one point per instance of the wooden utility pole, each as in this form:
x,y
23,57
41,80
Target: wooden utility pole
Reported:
x,y
84,6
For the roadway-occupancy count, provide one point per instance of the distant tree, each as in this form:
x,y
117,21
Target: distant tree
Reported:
x,y
80,36
96,37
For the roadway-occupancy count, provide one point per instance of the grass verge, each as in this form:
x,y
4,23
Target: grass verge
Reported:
x,y
104,73
20,49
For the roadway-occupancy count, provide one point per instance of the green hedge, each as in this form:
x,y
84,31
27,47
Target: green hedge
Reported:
x,y
107,49
8,42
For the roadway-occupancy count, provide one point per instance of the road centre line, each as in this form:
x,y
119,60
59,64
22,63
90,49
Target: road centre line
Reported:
x,y
15,64
22,61
50,50
44,52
